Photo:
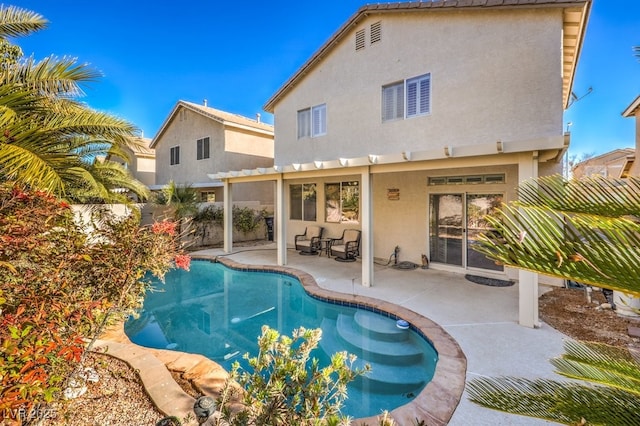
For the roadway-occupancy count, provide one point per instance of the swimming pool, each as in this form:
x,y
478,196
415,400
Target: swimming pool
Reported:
x,y
218,312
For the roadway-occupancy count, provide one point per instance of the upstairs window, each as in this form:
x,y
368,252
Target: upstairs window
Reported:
x,y
393,102
174,155
312,122
202,148
407,99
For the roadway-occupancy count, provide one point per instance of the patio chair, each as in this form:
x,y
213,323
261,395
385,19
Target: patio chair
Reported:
x,y
309,242
347,247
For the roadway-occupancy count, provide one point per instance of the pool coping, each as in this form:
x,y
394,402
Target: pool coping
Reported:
x,y
435,404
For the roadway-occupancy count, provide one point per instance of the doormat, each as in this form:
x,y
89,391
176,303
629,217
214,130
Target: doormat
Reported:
x,y
488,281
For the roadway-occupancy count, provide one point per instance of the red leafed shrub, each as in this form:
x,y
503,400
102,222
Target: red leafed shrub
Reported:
x,y
59,284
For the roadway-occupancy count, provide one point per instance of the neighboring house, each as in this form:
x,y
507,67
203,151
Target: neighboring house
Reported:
x,y
415,119
615,164
197,140
633,110
141,162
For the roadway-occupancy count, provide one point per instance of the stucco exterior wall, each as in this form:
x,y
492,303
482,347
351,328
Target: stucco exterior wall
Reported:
x,y
405,222
185,129
495,75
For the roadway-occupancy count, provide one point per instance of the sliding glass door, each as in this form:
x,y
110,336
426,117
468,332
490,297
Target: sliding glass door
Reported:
x,y
456,221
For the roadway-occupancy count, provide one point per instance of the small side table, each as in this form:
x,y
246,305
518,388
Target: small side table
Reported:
x,y
325,246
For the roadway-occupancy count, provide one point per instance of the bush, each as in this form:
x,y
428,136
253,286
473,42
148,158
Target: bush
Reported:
x,y
286,386
59,285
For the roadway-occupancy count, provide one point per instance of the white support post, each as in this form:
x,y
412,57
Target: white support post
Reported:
x,y
281,222
228,216
528,281
366,220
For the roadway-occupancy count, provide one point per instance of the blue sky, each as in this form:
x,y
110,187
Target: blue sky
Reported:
x,y
237,54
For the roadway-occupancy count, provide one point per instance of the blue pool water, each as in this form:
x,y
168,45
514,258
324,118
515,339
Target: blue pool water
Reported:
x,y
219,312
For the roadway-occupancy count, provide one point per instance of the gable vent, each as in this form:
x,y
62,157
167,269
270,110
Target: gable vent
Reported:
x,y
360,39
376,32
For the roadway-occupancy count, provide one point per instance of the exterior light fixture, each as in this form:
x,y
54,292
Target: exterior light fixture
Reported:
x,y
277,168
296,166
318,164
261,170
343,161
499,147
406,155
373,159
448,151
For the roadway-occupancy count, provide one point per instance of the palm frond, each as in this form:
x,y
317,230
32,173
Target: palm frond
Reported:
x,y
53,76
599,363
563,402
593,195
582,247
16,22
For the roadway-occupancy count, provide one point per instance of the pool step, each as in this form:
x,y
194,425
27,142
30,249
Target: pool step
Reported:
x,y
379,327
384,377
366,346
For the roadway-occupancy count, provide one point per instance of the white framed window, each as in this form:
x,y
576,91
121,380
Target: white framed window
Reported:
x,y
174,156
202,148
393,101
407,99
312,122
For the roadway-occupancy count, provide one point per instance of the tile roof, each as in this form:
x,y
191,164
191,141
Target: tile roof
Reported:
x,y
223,117
572,39
228,117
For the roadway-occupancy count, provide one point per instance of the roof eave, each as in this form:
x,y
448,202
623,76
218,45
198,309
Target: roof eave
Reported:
x,y
632,109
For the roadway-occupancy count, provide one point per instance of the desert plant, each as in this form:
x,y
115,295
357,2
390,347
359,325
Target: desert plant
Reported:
x,y
285,386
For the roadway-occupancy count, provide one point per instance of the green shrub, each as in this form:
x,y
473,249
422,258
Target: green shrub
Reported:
x,y
60,285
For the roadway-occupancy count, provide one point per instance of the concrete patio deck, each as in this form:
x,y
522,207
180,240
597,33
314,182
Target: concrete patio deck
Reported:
x,y
482,319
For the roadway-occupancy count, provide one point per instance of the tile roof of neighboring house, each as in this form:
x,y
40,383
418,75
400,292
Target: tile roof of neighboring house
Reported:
x,y
223,117
632,109
144,149
575,21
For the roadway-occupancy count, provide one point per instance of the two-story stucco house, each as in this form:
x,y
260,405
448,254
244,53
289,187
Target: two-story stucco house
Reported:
x,y
415,119
196,140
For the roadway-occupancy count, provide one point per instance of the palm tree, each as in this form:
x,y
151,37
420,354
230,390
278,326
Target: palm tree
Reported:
x,y
587,231
48,140
181,200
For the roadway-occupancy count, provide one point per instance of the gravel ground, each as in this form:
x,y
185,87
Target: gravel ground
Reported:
x,y
118,398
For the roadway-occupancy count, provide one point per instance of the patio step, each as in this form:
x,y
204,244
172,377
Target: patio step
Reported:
x,y
383,377
365,345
